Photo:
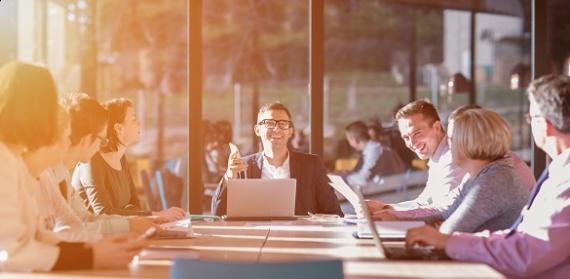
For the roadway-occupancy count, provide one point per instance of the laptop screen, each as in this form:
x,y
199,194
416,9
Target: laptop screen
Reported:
x,y
370,222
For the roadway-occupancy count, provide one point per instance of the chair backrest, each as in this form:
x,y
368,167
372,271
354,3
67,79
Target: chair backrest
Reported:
x,y
196,269
150,197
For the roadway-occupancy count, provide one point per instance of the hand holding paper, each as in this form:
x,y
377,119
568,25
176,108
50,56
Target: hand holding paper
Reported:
x,y
235,164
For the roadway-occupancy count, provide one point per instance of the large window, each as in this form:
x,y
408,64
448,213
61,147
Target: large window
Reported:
x,y
254,52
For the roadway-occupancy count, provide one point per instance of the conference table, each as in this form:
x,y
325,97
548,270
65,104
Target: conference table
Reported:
x,y
254,242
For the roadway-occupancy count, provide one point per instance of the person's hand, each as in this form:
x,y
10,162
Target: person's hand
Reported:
x,y
116,252
171,214
374,205
426,235
156,219
235,164
385,215
141,224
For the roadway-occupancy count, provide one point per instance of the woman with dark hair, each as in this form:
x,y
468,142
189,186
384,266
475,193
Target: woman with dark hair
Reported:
x,y
62,206
106,182
30,126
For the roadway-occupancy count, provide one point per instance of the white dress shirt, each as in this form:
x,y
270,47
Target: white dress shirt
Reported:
x,y
540,247
443,177
269,171
70,218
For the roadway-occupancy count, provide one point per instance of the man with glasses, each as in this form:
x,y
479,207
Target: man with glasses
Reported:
x,y
274,128
538,244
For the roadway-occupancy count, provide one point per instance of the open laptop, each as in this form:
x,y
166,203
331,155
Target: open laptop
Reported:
x,y
389,230
397,251
261,199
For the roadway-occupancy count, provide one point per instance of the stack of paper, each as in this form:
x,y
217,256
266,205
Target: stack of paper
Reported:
x,y
177,229
388,230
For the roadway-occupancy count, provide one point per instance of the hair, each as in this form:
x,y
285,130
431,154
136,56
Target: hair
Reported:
x,y
376,125
552,94
273,106
480,134
462,109
425,108
62,121
87,116
358,130
28,106
117,109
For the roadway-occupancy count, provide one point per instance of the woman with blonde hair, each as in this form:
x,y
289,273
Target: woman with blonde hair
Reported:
x,y
494,193
29,121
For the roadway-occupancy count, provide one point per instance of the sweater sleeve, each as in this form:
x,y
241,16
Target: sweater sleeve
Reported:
x,y
92,181
18,233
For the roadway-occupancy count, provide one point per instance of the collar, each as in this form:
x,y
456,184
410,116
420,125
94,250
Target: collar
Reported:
x,y
265,162
559,162
441,149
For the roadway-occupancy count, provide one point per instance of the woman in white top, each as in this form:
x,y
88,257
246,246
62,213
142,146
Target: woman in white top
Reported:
x,y
28,120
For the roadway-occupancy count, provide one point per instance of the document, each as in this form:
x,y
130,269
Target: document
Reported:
x,y
177,229
388,230
338,184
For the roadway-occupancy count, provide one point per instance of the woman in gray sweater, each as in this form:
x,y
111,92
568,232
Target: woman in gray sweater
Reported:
x,y
493,192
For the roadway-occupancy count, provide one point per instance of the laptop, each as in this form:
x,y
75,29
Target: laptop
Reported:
x,y
389,230
261,199
398,250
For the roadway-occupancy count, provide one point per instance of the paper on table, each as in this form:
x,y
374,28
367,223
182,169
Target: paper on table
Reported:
x,y
167,253
387,229
177,228
338,184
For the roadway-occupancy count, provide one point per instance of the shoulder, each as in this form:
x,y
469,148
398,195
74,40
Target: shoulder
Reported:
x,y
500,173
305,159
294,155
8,157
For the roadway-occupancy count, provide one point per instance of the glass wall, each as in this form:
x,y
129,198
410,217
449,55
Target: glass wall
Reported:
x,y
254,52
372,45
503,71
378,56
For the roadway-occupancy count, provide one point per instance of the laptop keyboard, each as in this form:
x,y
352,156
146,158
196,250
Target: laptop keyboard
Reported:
x,y
416,253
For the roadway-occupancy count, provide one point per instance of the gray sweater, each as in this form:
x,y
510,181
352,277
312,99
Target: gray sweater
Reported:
x,y
491,200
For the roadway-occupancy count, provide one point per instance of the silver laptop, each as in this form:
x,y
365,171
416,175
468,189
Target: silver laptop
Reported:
x,y
397,250
261,199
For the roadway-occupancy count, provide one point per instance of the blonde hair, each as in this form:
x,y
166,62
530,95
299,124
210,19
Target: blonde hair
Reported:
x,y
28,105
480,134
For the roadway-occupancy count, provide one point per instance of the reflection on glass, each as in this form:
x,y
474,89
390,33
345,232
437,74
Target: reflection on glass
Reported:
x,y
254,52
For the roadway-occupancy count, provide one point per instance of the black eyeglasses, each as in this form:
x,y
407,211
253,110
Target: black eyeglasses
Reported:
x,y
272,123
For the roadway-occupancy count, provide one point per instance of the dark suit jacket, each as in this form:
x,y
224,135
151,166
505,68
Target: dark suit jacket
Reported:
x,y
314,194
